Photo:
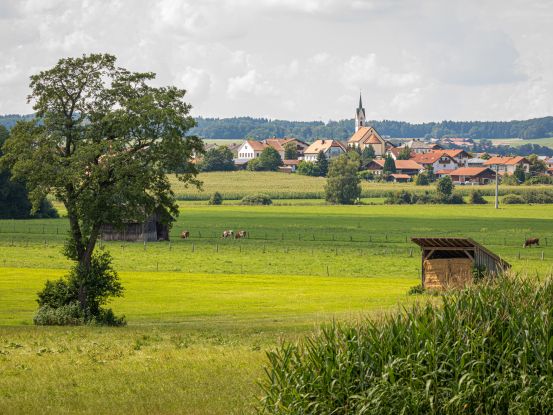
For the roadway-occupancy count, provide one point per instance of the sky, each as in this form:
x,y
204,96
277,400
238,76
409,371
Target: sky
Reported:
x,y
426,60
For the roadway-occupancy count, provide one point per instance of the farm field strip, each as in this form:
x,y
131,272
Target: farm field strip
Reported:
x,y
236,185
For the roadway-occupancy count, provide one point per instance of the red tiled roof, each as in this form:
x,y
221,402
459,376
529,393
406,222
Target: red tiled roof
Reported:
x,y
257,145
407,165
469,171
323,145
505,160
400,176
373,139
290,162
454,153
430,157
445,171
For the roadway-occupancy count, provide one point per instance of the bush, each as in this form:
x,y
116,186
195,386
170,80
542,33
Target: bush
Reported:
x,y
89,289
476,198
485,350
416,289
540,180
258,199
307,168
65,315
365,175
216,199
404,197
422,180
513,199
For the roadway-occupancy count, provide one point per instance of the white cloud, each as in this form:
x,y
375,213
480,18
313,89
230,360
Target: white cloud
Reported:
x,y
421,60
196,81
364,70
249,84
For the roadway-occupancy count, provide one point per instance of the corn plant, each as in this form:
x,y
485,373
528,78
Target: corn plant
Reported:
x,y
485,350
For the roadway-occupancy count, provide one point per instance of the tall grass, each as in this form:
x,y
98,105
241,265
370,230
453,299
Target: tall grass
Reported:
x,y
485,350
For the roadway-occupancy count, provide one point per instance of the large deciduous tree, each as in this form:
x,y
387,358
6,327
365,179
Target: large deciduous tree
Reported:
x,y
342,185
103,147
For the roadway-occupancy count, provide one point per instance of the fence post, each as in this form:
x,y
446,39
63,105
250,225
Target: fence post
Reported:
x,y
327,273
170,248
518,256
545,241
411,252
192,246
542,255
216,247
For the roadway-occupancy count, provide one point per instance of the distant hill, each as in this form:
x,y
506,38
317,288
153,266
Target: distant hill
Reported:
x,y
260,128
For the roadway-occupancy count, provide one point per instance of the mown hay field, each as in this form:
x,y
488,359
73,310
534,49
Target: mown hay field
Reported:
x,y
202,312
235,185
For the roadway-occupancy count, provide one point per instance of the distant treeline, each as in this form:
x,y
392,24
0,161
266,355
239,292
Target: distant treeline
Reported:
x,y
260,128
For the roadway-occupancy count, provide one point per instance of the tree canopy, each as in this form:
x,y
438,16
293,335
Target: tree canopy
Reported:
x,y
268,160
105,141
342,185
218,159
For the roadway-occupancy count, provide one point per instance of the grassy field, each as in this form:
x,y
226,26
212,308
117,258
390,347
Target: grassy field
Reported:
x,y
517,142
235,185
202,312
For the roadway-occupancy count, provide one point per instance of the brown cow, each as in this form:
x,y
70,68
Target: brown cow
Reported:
x,y
531,241
228,234
241,234
185,234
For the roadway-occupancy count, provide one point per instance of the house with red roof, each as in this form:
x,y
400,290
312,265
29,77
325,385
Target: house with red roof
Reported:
x,y
403,167
507,165
368,136
472,175
435,160
330,148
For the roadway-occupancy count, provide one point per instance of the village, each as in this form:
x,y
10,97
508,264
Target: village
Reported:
x,y
406,158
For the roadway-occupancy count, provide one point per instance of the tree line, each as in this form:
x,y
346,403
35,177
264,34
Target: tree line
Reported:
x,y
259,128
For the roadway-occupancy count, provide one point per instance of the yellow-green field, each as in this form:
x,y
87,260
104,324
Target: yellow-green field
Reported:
x,y
517,142
202,312
237,184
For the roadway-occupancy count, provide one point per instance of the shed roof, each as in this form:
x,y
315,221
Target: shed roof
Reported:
x,y
451,243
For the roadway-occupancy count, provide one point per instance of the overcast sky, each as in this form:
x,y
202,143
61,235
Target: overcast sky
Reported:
x,y
302,59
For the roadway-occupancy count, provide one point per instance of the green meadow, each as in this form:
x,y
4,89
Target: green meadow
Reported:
x,y
202,312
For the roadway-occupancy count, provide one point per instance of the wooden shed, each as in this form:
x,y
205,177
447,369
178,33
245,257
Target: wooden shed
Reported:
x,y
154,228
449,262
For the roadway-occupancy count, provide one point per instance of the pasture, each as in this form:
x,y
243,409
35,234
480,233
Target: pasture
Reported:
x,y
203,311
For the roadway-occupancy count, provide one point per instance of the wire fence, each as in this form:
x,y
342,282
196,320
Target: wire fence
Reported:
x,y
14,232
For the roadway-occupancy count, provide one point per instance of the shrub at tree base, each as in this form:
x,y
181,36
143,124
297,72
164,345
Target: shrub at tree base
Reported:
x,y
487,350
259,199
78,298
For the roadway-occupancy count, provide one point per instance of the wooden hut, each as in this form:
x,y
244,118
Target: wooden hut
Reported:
x,y
154,228
449,262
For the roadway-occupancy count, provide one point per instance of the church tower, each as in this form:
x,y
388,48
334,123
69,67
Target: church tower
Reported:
x,y
359,115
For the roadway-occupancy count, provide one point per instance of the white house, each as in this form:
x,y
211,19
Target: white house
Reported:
x,y
507,164
330,148
250,149
437,160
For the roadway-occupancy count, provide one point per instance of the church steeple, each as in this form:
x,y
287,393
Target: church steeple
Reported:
x,y
359,115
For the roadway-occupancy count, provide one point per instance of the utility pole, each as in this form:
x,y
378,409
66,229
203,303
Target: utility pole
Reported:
x,y
496,186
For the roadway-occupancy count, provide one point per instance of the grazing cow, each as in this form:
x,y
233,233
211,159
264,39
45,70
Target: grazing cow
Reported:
x,y
185,234
228,234
241,234
531,241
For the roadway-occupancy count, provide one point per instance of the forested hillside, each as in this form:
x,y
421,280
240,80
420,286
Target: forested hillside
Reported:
x,y
260,128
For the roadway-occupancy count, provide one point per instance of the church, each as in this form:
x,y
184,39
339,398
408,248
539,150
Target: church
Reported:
x,y
366,135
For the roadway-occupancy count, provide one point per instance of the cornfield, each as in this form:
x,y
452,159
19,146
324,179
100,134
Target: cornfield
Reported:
x,y
486,350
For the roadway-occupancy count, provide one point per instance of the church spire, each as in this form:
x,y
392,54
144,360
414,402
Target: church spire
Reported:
x,y
359,114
